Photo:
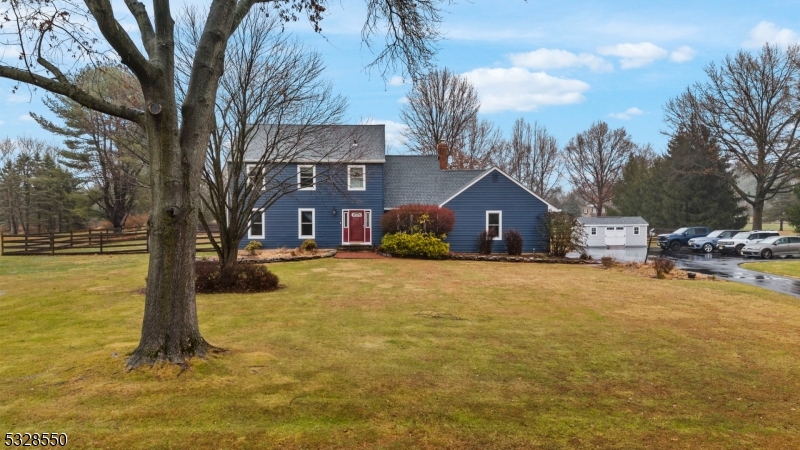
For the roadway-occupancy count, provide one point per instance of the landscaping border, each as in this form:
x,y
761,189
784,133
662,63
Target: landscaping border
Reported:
x,y
322,254
520,259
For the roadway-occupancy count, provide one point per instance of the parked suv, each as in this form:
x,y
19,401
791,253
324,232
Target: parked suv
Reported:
x,y
709,243
737,243
680,237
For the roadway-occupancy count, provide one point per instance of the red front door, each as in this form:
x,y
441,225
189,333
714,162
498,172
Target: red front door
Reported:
x,y
356,226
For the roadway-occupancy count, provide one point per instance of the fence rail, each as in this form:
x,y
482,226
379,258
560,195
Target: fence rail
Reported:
x,y
86,242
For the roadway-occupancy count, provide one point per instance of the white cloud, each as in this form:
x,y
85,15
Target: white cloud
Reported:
x,y
682,54
518,89
396,80
768,32
26,118
402,100
634,55
627,114
394,131
19,98
545,58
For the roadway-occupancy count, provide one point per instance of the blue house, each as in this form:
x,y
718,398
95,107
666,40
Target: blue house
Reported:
x,y
343,190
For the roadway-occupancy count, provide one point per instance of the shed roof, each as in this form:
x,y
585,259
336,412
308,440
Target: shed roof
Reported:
x,y
613,220
318,143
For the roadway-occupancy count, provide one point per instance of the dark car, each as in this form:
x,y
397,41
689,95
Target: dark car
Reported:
x,y
680,237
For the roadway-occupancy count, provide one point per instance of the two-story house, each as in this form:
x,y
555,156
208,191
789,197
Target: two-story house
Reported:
x,y
342,192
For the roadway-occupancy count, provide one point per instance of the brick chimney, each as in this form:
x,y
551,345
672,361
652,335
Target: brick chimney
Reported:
x,y
441,152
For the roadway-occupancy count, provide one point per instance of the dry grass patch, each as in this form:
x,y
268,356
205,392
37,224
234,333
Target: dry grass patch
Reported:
x,y
365,354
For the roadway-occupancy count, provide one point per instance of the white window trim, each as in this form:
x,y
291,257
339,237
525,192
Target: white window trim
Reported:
x,y
248,168
635,231
363,178
300,223
250,225
593,231
313,175
500,224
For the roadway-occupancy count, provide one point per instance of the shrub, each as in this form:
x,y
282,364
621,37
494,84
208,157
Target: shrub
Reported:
x,y
663,266
485,242
252,247
416,218
607,261
308,245
565,233
513,241
414,245
209,279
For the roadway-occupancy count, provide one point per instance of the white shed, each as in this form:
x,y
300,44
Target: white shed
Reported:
x,y
615,231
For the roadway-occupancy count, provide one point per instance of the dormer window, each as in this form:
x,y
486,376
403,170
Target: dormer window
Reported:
x,y
356,178
306,178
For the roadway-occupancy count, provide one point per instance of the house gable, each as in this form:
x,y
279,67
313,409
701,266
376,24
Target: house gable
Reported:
x,y
521,210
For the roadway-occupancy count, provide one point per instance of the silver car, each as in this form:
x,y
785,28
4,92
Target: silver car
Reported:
x,y
773,246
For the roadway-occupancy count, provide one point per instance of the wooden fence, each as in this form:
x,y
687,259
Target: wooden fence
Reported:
x,y
85,242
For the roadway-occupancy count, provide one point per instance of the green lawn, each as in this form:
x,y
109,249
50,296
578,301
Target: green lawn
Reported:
x,y
545,356
787,268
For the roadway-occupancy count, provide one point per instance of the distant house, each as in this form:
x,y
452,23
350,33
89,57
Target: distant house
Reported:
x,y
349,214
615,231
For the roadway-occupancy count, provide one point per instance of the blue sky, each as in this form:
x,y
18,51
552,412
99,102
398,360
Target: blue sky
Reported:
x,y
562,64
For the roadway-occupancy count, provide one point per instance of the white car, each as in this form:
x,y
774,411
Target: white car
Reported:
x,y
773,246
738,242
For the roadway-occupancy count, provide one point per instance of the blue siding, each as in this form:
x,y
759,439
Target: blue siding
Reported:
x,y
281,219
521,211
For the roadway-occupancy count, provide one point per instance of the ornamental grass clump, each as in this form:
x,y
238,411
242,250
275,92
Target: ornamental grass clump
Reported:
x,y
309,245
513,241
252,247
663,266
485,242
239,278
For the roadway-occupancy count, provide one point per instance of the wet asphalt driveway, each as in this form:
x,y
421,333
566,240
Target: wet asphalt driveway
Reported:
x,y
727,267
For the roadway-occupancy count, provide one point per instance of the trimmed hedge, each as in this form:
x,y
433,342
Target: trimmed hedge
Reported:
x,y
415,245
417,218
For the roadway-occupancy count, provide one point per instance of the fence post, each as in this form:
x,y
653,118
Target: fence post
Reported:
x,y
147,241
70,238
101,243
52,244
2,243
26,242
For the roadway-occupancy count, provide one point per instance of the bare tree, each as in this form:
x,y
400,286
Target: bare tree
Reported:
x,y
477,146
109,152
54,36
271,107
534,158
441,106
594,160
751,105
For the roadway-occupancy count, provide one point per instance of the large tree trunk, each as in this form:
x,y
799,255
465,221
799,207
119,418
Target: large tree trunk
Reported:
x,y
169,330
758,214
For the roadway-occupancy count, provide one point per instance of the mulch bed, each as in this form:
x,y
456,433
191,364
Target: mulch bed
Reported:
x,y
358,255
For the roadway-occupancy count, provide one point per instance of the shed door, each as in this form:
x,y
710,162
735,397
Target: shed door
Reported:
x,y
356,226
615,235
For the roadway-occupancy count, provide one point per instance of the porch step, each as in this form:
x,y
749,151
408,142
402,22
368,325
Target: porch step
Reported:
x,y
355,248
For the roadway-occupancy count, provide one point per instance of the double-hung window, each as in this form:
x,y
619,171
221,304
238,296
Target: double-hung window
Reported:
x,y
635,230
356,178
256,229
306,178
254,176
305,223
594,231
494,223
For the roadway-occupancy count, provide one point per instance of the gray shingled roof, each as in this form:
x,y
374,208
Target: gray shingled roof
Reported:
x,y
321,143
612,220
417,179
